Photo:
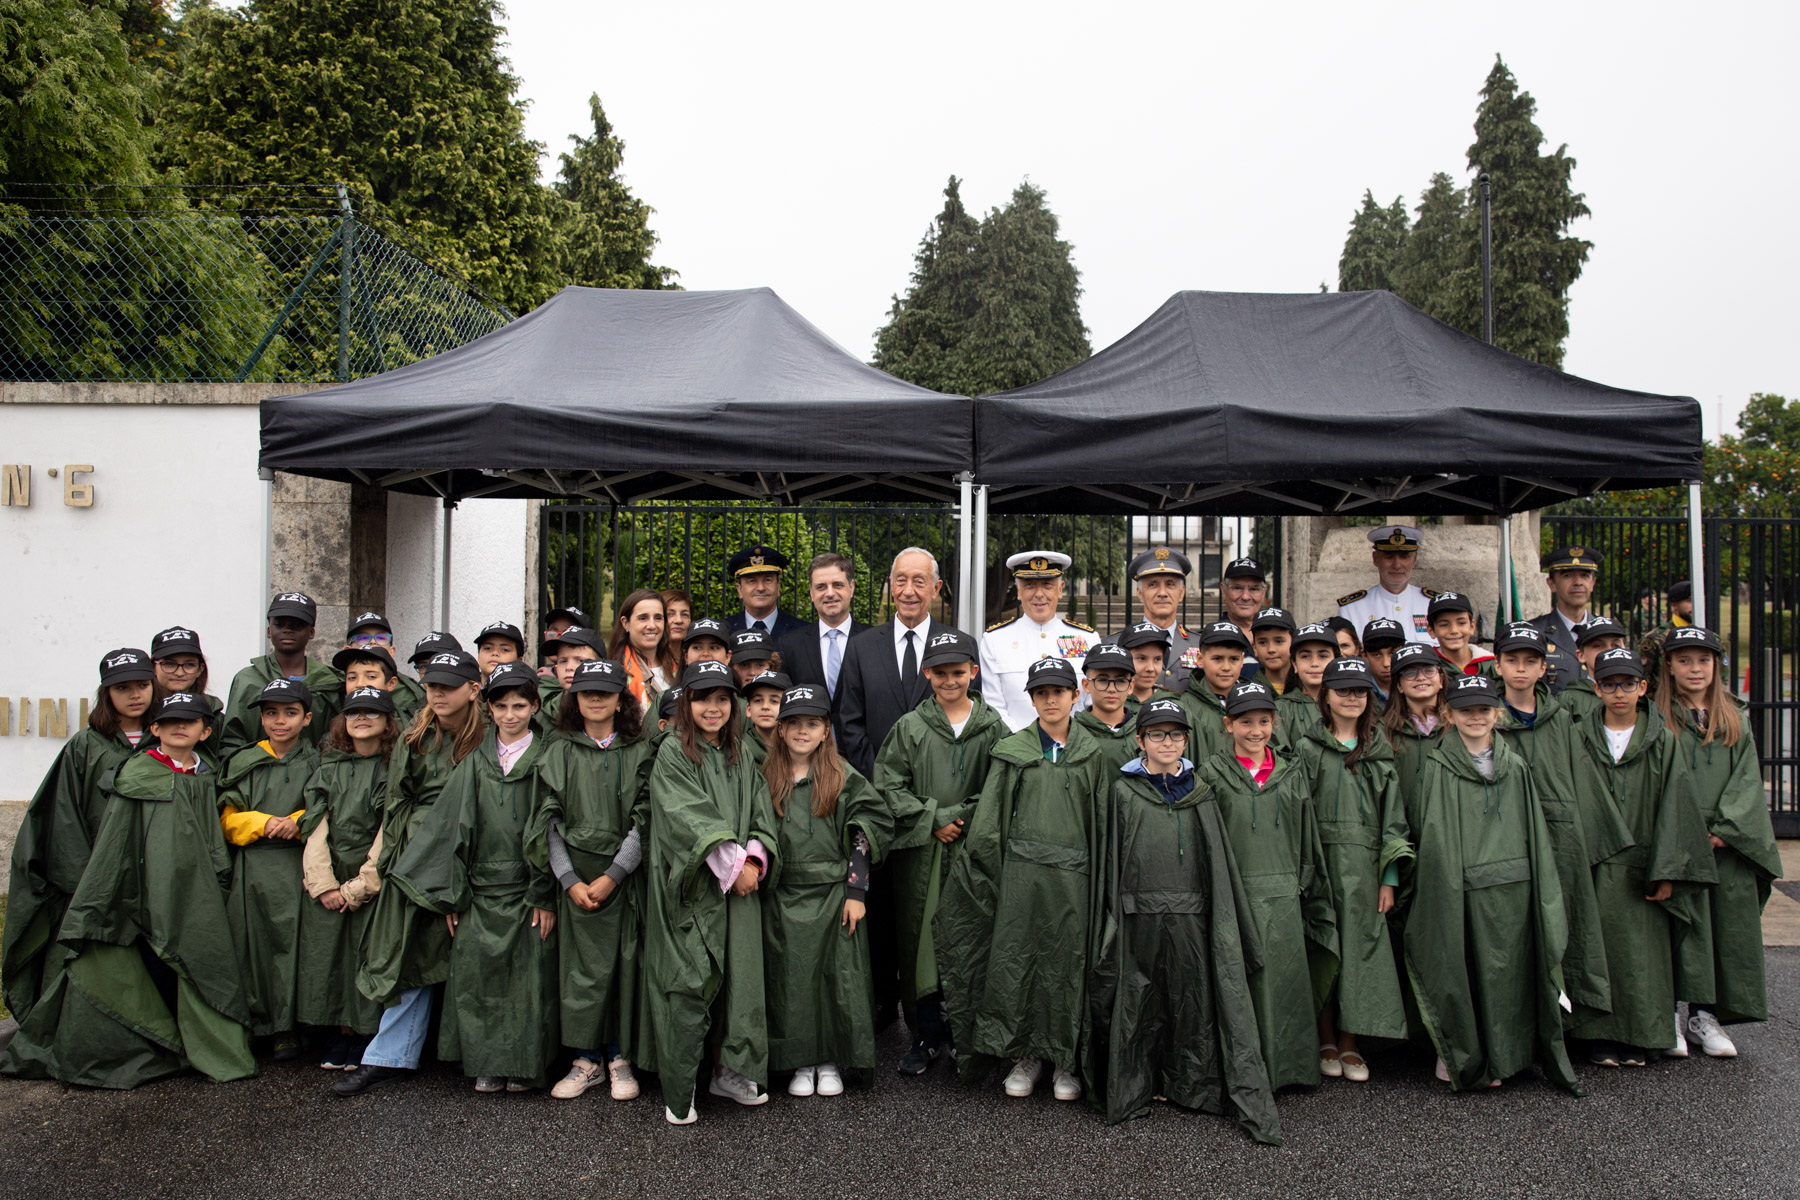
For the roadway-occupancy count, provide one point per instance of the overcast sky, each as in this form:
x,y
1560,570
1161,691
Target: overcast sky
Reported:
x,y
1207,146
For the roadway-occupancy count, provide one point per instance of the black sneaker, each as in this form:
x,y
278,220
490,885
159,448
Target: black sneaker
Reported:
x,y
918,1060
358,1080
288,1047
341,1055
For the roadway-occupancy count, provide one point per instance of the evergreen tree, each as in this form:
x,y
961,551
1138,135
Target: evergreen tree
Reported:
x,y
993,305
71,108
411,101
1373,246
1441,247
606,229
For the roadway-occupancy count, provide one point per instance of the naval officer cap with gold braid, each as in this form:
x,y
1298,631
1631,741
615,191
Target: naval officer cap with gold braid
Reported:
x,y
1395,538
1038,564
1570,558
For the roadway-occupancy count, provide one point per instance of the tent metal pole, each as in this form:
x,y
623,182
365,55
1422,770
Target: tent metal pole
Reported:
x,y
1506,569
1694,556
978,564
965,516
444,578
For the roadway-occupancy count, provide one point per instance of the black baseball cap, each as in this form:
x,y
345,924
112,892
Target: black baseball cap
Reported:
x,y
502,629
1619,661
343,658
1051,672
949,646
1474,691
285,691
598,675
452,668
176,640
1249,697
182,706
1224,633
1161,712
1383,631
1246,568
508,676
1347,673
665,703
368,699
708,676
767,679
1145,633
125,665
432,643
1692,637
1598,627
1520,636
1412,655
297,605
803,701
1681,589
1315,633
570,614
1107,656
750,645
706,627
574,635
1273,618
368,620
1447,602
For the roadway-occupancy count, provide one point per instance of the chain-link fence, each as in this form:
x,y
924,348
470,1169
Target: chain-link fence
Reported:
x,y
176,284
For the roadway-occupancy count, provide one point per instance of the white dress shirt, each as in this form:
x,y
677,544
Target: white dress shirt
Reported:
x,y
921,634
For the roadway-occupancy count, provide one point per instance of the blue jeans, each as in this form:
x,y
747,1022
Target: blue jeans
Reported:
x,y
401,1039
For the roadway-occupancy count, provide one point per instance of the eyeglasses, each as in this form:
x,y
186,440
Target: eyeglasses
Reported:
x,y
177,668
1103,684
1244,589
1162,737
1613,687
372,639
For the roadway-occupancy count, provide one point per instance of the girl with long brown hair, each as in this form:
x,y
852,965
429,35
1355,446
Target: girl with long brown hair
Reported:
x,y
1721,955
640,640
1414,718
832,823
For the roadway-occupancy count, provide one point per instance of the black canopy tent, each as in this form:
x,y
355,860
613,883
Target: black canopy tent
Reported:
x,y
1318,404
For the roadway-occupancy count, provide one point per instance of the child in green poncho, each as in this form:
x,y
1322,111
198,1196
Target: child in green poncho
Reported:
x,y
1485,934
1106,681
342,828
1222,650
1714,742
930,769
1314,648
833,826
292,617
1650,893
1275,842
1364,836
1021,901
1414,718
762,705
262,797
713,847
596,770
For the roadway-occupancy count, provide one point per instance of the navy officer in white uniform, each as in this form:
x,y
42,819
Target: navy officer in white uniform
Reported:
x,y
1394,596
1039,631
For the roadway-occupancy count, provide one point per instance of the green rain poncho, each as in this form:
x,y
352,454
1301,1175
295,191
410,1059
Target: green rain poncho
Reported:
x,y
1649,791
1176,951
1118,746
155,887
49,855
818,980
930,778
1275,844
345,793
266,892
1485,934
1585,828
409,698
1020,915
1722,954
242,723
593,793
1410,749
704,945
1206,718
1296,713
1362,831
405,946
468,857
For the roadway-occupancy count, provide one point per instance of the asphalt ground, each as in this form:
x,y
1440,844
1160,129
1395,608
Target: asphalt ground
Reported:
x,y
1684,1130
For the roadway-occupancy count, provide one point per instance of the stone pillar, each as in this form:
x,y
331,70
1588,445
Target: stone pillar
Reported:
x,y
310,551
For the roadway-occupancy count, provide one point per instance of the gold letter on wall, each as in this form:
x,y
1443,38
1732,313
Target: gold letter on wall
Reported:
x,y
78,495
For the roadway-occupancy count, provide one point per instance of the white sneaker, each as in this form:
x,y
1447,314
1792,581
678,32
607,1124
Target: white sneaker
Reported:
x,y
1065,1086
804,1083
732,1086
1024,1076
1705,1026
1680,1048
582,1076
830,1082
693,1113
624,1083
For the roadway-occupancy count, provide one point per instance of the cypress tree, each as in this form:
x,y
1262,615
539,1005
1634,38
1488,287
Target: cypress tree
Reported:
x,y
1437,251
606,229
921,341
1373,246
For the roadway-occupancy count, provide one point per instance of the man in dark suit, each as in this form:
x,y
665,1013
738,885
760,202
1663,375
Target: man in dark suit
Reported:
x,y
814,653
757,573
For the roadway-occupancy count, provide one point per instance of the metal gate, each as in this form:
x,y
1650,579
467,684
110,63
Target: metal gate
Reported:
x,y
1751,590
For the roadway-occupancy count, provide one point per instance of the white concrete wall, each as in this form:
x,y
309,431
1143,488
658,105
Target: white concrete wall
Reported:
x,y
492,565
175,536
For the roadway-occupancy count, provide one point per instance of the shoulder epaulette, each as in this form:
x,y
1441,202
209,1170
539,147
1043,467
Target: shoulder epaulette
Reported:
x,y
1000,624
1352,598
1078,625
1182,630
1432,593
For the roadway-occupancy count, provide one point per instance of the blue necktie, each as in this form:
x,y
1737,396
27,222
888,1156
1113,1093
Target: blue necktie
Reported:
x,y
834,659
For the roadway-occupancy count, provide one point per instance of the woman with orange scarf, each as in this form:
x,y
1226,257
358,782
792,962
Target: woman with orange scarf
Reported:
x,y
640,640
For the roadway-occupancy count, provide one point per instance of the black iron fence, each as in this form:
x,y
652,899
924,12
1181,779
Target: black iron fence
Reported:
x,y
1751,590
591,555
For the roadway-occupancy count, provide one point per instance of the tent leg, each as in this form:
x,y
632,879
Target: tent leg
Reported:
x,y
1694,557
1506,569
965,516
978,564
444,578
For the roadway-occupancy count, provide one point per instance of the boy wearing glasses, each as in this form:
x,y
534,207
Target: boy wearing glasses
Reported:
x,y
1108,673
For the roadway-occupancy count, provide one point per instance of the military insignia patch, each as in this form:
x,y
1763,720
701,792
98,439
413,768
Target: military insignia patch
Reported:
x,y
1190,658
1420,624
1071,647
